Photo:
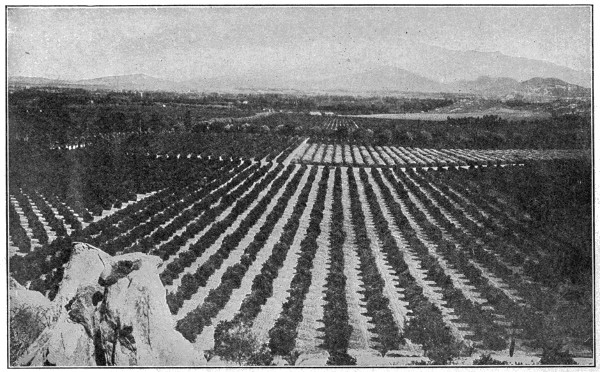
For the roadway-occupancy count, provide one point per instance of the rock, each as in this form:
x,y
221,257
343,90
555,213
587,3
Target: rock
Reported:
x,y
67,341
26,299
13,284
111,311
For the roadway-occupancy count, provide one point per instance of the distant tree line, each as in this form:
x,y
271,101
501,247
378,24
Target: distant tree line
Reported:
x,y
384,106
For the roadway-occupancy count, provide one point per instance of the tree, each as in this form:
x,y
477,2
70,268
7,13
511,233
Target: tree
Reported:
x,y
187,120
137,122
384,137
282,336
155,124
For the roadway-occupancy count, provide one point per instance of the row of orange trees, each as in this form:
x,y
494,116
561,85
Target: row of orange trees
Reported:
x,y
194,322
216,229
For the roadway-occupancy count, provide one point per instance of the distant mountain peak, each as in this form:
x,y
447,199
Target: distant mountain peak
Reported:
x,y
503,86
541,80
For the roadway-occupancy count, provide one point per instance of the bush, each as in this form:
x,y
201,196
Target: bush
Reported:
x,y
442,354
340,359
419,363
234,342
554,356
487,360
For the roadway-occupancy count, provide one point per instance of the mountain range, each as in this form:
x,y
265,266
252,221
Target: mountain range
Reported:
x,y
449,66
385,79
383,62
392,64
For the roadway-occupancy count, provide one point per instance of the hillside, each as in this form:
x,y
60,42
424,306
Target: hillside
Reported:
x,y
535,87
553,87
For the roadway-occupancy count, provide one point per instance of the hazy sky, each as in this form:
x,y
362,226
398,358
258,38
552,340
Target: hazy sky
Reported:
x,y
181,43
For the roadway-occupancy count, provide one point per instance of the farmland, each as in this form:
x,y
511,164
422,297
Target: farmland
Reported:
x,y
434,116
335,240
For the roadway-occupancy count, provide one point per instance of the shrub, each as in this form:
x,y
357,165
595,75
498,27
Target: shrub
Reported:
x,y
337,358
553,355
442,354
487,360
234,342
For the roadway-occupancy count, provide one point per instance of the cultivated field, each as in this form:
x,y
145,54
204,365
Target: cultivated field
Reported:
x,y
354,252
386,156
331,243
504,113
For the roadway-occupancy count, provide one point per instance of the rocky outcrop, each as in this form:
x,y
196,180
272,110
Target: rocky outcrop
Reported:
x,y
110,311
